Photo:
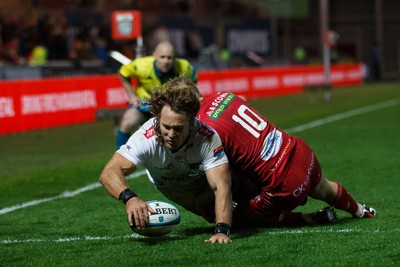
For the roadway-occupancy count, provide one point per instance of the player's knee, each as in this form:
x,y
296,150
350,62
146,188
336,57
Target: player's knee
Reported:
x,y
129,121
325,190
125,126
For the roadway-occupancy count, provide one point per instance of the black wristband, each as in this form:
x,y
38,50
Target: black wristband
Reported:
x,y
125,195
222,228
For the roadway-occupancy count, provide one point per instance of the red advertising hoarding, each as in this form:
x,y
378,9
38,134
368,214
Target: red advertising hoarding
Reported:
x,y
37,104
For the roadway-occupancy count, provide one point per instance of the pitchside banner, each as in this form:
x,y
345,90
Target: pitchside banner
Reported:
x,y
38,104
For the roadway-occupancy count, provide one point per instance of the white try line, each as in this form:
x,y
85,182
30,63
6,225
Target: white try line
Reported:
x,y
344,115
296,129
65,194
136,236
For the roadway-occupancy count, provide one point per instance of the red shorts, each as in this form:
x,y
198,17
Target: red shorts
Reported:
x,y
301,173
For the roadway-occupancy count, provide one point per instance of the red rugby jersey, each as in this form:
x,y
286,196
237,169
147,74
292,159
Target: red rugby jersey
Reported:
x,y
255,147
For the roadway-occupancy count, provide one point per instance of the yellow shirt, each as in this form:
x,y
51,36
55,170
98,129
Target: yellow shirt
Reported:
x,y
148,77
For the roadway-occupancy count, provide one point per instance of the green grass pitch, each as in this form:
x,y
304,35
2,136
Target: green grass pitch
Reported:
x,y
53,212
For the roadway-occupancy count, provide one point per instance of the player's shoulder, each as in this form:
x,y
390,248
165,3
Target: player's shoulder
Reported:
x,y
145,59
181,60
143,66
137,66
182,64
203,130
143,62
147,129
185,67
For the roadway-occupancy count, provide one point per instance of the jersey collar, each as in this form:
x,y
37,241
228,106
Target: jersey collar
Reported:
x,y
164,76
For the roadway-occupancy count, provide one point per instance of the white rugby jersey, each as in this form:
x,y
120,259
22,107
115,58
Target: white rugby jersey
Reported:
x,y
179,175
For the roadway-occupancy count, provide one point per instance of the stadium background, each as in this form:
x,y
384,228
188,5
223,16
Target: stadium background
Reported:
x,y
54,212
368,30
253,48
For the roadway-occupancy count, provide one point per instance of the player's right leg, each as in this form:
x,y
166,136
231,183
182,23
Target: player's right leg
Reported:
x,y
337,196
131,120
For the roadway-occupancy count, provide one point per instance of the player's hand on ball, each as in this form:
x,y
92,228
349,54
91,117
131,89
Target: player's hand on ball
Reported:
x,y
219,238
138,212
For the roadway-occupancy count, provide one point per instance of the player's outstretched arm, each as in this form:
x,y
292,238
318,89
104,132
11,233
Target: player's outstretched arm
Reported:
x,y
130,91
219,179
113,180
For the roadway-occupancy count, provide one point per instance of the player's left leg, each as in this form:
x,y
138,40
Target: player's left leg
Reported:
x,y
244,216
273,207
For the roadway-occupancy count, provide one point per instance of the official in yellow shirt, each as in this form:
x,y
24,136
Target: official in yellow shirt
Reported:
x,y
149,72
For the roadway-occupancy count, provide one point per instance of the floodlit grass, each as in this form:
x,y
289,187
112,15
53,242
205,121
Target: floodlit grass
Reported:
x,y
90,228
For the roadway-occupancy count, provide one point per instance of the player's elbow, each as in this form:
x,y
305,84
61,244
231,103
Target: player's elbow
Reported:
x,y
104,176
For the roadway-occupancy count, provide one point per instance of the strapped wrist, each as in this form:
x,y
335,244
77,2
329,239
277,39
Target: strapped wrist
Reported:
x,y
222,228
125,195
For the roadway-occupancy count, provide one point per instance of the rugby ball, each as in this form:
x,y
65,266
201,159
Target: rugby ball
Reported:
x,y
162,223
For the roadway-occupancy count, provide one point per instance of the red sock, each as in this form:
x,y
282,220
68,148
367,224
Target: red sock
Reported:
x,y
344,201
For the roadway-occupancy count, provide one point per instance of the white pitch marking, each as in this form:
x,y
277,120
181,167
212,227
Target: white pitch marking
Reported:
x,y
288,232
65,194
344,115
299,128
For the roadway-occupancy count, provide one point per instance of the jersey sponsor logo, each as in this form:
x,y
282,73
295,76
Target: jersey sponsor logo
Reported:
x,y
219,151
205,131
283,154
272,145
219,105
305,185
150,132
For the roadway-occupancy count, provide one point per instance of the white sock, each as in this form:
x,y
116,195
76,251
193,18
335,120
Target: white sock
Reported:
x,y
360,210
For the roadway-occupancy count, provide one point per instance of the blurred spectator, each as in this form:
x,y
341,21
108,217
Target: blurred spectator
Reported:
x,y
160,34
225,58
100,44
300,55
82,47
28,37
334,56
9,52
193,44
39,54
81,50
58,39
376,62
10,43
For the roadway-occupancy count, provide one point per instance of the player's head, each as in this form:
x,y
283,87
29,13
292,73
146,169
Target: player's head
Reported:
x,y
164,56
174,106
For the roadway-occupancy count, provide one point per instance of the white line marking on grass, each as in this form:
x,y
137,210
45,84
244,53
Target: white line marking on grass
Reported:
x,y
344,115
65,194
136,236
72,239
296,129
300,231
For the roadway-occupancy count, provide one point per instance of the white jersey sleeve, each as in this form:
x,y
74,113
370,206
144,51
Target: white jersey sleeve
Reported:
x,y
211,149
141,145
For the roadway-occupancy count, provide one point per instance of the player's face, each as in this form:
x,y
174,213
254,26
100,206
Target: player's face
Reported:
x,y
174,127
164,56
